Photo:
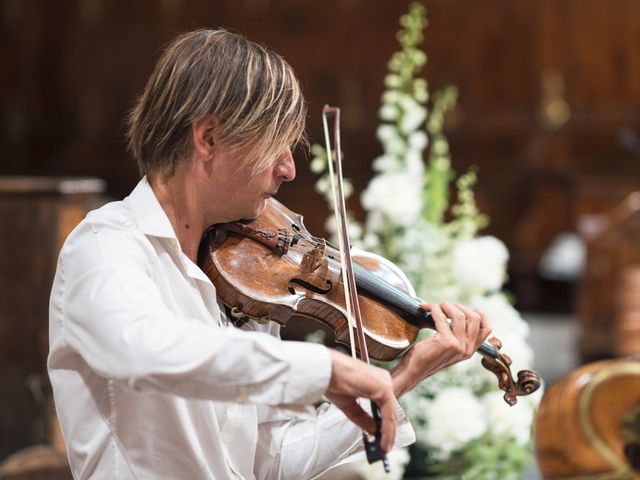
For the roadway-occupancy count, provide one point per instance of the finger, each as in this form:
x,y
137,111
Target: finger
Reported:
x,y
354,412
439,318
388,413
485,328
458,321
386,401
473,328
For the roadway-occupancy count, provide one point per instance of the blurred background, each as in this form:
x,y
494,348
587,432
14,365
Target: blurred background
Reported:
x,y
548,111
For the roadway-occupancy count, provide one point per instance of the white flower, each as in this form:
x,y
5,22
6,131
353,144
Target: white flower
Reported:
x,y
509,327
466,365
512,421
395,145
391,96
397,195
375,220
440,147
454,418
518,350
418,140
412,120
370,242
318,164
413,160
323,185
392,81
503,318
354,229
391,140
385,162
416,406
420,90
386,132
479,264
413,114
388,112
408,103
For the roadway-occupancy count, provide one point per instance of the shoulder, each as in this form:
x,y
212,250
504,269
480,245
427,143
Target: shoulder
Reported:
x,y
110,236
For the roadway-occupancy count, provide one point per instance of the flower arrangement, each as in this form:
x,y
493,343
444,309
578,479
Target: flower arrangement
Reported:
x,y
463,427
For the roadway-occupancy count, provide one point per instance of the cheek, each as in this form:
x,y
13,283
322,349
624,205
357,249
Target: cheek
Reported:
x,y
261,181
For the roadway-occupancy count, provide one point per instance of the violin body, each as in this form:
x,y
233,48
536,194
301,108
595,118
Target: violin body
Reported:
x,y
257,277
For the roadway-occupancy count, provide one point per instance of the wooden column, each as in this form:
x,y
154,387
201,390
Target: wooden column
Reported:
x,y
609,295
36,215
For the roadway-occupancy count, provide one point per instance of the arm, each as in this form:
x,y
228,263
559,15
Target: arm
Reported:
x,y
112,314
452,343
293,448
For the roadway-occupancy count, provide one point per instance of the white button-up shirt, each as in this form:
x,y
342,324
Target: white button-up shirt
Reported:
x,y
149,379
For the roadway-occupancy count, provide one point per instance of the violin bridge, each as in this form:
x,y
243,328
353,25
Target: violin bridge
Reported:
x,y
311,261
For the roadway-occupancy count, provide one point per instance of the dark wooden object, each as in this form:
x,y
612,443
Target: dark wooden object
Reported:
x,y
549,92
588,424
40,462
627,311
609,296
36,215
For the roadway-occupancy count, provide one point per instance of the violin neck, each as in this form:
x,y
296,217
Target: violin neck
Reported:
x,y
372,286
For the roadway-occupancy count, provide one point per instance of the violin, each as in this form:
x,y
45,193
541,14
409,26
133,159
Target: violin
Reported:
x,y
272,268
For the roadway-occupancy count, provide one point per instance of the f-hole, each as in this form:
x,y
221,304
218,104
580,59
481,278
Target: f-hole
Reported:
x,y
309,286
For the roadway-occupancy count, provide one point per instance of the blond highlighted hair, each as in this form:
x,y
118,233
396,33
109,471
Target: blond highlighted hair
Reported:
x,y
249,90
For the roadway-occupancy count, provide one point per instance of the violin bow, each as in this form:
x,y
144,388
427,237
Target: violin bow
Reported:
x,y
372,445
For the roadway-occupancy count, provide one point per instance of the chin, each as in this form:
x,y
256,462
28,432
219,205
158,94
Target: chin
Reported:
x,y
257,211
262,207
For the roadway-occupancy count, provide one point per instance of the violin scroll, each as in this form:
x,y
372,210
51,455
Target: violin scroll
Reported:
x,y
498,363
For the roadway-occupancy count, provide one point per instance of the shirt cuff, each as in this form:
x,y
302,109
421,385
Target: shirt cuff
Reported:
x,y
405,435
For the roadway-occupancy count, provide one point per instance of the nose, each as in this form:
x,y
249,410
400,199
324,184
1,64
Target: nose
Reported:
x,y
285,167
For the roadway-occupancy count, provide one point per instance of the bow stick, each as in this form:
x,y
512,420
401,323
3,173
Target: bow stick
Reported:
x,y
372,445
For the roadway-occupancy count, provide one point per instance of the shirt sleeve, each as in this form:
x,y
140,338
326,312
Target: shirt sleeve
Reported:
x,y
113,315
296,448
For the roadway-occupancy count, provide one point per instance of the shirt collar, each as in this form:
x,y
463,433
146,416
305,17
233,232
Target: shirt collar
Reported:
x,y
151,218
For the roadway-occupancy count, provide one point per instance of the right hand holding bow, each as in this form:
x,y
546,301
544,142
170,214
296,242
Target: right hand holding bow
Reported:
x,y
351,379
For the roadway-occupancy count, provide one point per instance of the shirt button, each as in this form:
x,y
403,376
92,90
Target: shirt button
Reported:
x,y
242,398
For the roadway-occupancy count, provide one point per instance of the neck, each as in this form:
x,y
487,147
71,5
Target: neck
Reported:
x,y
178,199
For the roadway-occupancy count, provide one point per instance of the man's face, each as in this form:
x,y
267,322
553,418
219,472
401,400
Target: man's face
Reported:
x,y
245,192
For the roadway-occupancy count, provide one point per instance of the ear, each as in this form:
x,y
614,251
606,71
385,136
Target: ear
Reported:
x,y
203,135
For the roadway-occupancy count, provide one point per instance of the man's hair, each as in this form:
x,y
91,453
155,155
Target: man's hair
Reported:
x,y
249,90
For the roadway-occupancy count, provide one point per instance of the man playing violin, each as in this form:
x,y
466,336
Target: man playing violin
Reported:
x,y
150,380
